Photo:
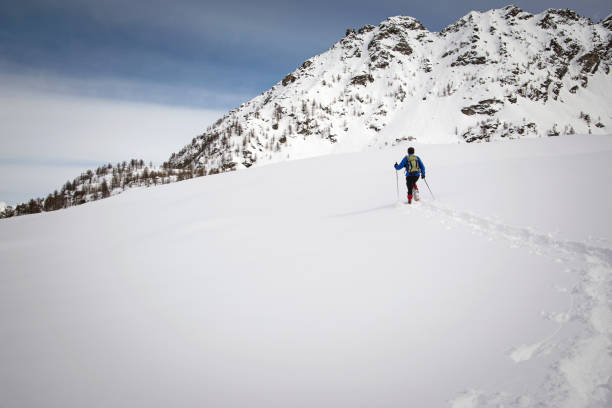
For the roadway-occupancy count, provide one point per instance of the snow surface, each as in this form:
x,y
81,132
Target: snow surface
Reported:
x,y
2,206
307,283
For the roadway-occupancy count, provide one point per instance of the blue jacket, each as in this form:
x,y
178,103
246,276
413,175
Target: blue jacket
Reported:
x,y
404,163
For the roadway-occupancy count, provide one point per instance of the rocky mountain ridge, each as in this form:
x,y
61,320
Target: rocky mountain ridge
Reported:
x,y
500,74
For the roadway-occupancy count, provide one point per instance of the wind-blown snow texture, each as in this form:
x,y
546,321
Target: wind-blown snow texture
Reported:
x,y
501,74
306,284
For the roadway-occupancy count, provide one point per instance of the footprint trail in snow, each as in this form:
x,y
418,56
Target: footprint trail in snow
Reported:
x,y
583,373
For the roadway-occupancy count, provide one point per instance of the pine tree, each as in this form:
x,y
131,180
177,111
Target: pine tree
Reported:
x,y
104,189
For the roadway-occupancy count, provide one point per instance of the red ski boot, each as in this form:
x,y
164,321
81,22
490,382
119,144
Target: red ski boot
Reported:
x,y
409,198
416,193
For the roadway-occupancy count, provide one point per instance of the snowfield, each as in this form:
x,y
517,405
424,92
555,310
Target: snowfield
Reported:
x,y
307,284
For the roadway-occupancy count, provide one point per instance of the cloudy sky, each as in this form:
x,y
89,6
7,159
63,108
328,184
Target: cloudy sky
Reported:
x,y
87,82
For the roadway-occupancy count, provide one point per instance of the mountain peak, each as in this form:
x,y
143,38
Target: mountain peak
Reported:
x,y
494,75
406,22
553,17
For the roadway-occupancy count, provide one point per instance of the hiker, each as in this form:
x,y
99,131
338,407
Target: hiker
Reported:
x,y
414,168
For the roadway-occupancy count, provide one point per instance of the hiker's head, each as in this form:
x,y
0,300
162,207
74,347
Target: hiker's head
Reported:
x,y
411,150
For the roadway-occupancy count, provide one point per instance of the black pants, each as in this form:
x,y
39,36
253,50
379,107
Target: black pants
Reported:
x,y
411,181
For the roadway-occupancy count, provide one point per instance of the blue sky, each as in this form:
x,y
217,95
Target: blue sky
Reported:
x,y
186,61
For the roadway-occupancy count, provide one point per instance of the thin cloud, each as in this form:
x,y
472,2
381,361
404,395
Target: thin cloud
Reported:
x,y
47,162
35,81
47,125
62,135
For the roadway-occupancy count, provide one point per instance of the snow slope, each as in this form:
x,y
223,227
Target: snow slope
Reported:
x,y
306,283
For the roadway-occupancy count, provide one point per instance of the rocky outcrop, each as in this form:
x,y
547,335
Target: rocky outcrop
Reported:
x,y
485,107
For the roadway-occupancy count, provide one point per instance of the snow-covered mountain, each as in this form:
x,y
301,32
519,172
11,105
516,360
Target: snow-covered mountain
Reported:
x,y
500,74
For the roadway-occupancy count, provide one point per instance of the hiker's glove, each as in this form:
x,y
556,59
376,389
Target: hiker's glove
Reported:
x,y
423,176
395,165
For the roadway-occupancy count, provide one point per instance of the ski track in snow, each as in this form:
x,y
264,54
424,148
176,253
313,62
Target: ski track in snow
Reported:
x,y
583,375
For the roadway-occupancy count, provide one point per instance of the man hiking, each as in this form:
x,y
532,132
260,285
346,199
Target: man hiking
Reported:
x,y
414,168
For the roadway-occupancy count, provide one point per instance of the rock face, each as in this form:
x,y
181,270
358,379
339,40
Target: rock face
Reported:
x,y
500,74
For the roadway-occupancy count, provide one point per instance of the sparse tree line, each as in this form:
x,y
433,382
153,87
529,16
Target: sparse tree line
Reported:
x,y
103,182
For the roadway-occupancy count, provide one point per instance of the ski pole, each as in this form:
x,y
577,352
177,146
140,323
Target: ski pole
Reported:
x,y
397,185
427,184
